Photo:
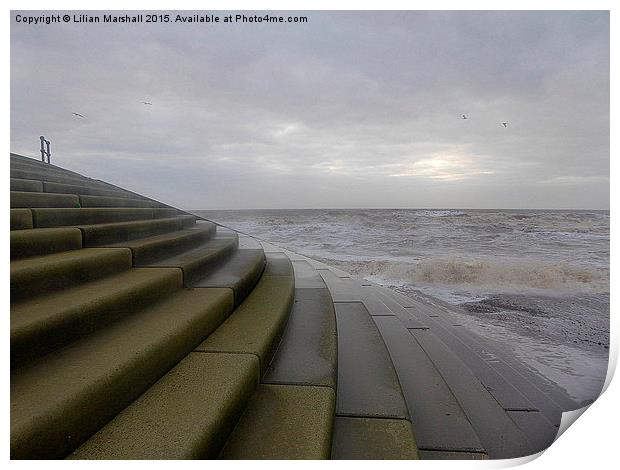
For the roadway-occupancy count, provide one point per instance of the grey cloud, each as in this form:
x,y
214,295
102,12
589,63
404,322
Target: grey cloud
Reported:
x,y
353,109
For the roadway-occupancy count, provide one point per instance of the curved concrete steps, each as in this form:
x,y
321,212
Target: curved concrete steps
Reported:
x,y
197,262
139,332
102,326
85,188
44,241
43,324
200,401
153,248
68,395
240,272
50,175
33,199
42,274
291,415
115,201
61,217
187,414
256,326
535,414
101,234
19,184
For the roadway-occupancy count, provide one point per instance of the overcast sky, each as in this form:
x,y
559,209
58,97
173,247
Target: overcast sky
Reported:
x,y
351,109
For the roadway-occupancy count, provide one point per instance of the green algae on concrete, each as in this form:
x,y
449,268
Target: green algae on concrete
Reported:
x,y
48,217
18,184
44,241
153,248
255,327
85,187
373,439
187,414
31,199
64,270
110,201
68,395
45,323
21,219
198,261
106,233
284,422
240,273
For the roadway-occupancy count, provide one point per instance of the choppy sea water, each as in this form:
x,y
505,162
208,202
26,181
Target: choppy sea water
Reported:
x,y
537,280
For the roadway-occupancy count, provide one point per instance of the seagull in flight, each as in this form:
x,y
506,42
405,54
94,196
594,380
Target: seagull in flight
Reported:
x,y
464,117
146,102
505,124
79,115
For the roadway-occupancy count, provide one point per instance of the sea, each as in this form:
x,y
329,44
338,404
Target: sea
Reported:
x,y
534,280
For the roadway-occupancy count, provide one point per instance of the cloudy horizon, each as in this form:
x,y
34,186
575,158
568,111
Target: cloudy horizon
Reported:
x,y
348,110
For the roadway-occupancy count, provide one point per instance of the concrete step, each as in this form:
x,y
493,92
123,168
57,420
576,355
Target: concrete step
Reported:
x,y
367,382
308,351
499,435
21,219
43,324
44,241
503,391
197,262
39,166
132,194
438,420
107,201
48,175
187,414
373,439
24,163
240,272
150,249
42,274
18,184
284,422
48,217
86,188
21,162
32,199
40,171
496,369
257,324
111,233
61,400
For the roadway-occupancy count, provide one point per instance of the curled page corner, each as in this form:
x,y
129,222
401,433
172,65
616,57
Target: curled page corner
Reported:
x,y
517,461
568,418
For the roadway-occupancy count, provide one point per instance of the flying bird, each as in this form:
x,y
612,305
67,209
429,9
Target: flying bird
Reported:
x,y
78,115
146,102
464,117
505,124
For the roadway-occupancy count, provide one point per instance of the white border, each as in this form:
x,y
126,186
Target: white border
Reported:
x,y
590,443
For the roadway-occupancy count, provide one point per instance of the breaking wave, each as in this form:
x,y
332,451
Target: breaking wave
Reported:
x,y
488,274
